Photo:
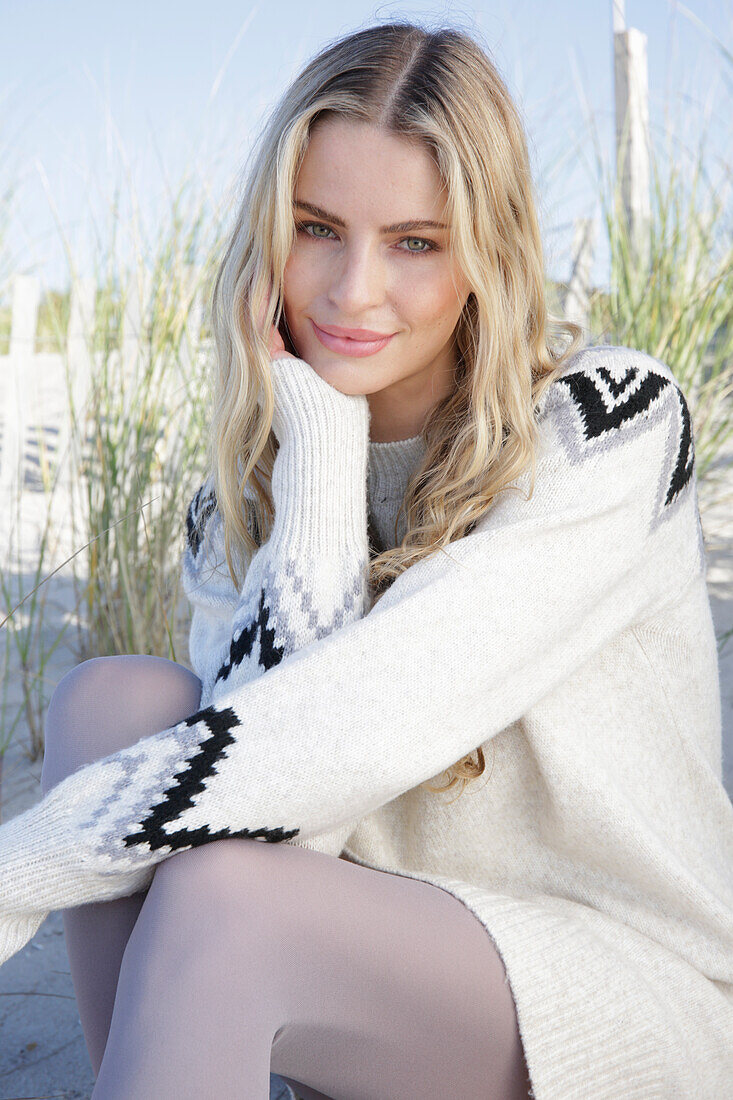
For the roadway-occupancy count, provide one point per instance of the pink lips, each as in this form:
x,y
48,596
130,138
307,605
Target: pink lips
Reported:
x,y
365,343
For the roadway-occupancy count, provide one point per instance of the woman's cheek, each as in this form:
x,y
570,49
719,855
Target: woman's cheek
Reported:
x,y
429,303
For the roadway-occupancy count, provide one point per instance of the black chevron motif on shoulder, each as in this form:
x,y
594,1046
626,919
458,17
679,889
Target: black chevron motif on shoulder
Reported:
x,y
191,782
270,654
199,511
633,398
630,395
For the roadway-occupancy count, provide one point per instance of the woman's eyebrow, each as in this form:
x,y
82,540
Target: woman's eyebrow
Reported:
x,y
398,227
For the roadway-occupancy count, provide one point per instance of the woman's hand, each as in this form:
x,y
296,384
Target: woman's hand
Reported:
x,y
276,343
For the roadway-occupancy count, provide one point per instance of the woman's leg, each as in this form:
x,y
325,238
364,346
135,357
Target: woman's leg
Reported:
x,y
99,707
249,958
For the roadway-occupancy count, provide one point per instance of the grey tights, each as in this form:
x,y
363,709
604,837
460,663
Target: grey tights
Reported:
x,y
244,959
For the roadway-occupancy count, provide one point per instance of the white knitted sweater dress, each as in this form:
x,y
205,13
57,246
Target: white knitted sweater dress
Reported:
x,y
569,634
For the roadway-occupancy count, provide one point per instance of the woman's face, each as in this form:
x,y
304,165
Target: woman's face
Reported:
x,y
355,266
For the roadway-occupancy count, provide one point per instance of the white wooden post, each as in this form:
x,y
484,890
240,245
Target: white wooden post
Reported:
x,y
26,297
631,86
576,306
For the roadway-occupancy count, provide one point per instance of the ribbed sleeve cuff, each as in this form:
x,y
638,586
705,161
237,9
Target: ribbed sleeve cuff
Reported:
x,y
319,479
16,932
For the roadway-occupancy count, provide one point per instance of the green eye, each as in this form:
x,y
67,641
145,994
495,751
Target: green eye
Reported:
x,y
312,225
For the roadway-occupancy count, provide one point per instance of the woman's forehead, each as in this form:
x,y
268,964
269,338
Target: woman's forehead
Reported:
x,y
351,170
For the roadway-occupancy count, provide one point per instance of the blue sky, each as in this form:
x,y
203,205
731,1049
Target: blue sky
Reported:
x,y
93,93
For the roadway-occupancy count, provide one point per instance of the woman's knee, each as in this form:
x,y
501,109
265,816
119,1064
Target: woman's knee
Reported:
x,y
231,881
212,869
107,703
209,896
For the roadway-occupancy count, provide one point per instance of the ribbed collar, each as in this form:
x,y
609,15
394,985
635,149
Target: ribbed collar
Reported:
x,y
390,466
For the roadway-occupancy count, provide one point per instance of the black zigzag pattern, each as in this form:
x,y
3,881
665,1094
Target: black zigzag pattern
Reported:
x,y
202,507
633,395
199,511
270,654
191,782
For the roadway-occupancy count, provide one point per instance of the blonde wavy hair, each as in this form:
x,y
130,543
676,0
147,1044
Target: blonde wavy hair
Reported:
x,y
439,87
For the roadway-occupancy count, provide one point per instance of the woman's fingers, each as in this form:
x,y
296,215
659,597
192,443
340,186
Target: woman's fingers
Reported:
x,y
276,343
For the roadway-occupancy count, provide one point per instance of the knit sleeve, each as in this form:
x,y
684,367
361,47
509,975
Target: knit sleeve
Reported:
x,y
311,576
459,647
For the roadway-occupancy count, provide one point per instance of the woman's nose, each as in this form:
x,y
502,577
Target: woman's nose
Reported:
x,y
358,282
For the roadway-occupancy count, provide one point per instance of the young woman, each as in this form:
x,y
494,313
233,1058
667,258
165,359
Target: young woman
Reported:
x,y
428,535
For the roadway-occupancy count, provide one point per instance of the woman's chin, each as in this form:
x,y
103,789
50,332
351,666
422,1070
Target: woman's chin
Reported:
x,y
341,374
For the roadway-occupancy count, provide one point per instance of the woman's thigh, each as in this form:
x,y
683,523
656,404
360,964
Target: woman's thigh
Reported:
x,y
378,986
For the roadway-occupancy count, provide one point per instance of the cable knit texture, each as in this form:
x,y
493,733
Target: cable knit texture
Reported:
x,y
569,634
